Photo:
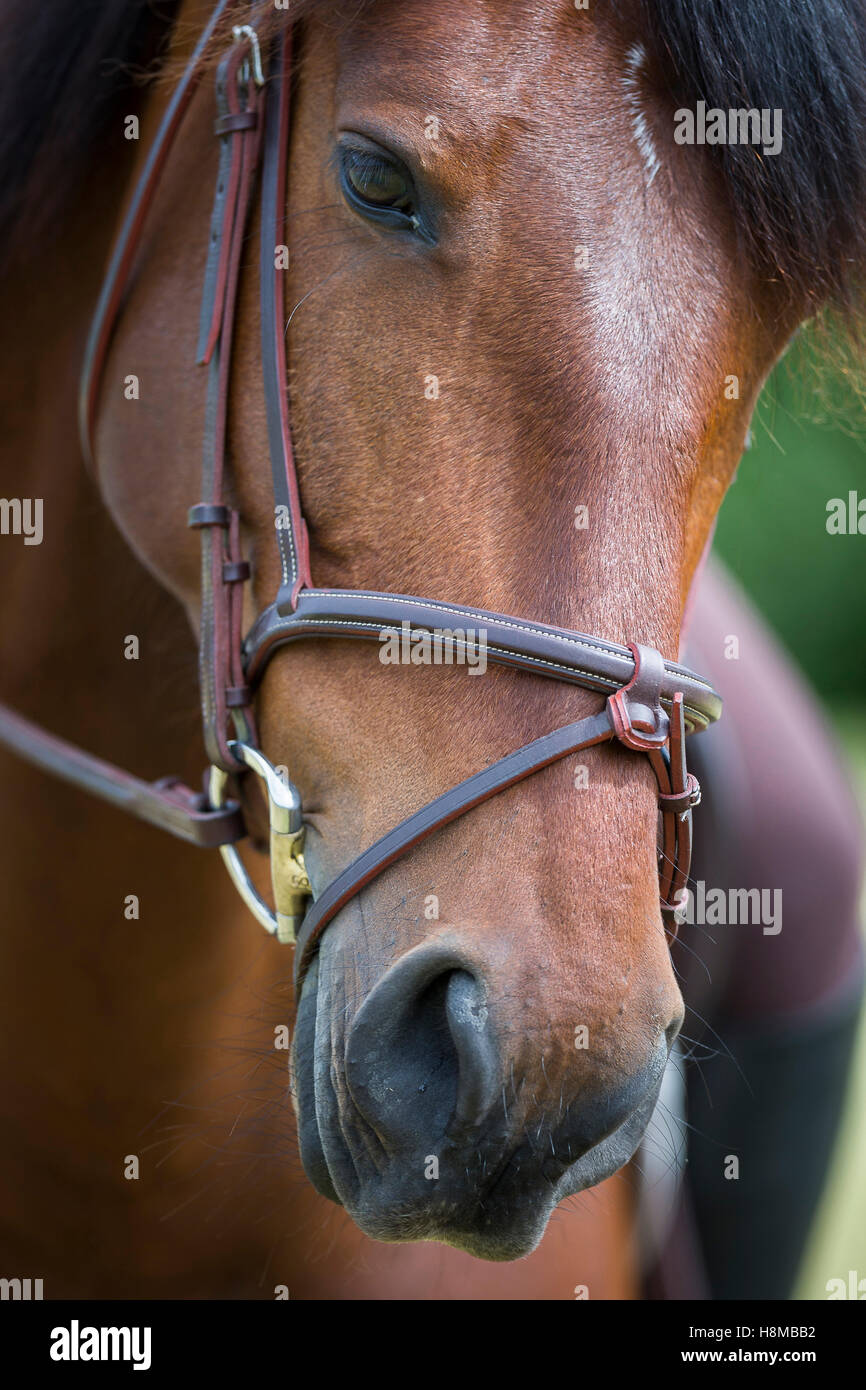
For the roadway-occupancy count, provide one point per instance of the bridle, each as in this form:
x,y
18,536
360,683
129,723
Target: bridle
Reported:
x,y
651,704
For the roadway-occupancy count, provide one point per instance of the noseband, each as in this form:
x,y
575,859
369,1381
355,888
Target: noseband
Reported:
x,y
651,704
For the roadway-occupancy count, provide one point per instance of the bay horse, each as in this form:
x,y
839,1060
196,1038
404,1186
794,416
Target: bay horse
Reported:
x,y
526,330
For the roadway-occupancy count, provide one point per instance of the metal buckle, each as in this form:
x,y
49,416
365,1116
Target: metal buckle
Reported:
x,y
246,31
289,879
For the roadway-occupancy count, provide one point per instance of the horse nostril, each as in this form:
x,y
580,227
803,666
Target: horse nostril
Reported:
x,y
477,1055
421,1060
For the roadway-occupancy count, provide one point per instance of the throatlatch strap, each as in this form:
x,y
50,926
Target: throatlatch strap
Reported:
x,y
128,240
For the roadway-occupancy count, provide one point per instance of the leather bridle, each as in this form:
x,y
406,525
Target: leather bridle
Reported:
x,y
651,704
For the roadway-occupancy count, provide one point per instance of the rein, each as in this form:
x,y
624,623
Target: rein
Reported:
x,y
651,704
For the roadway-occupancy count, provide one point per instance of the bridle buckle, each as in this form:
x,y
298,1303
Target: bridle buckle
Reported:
x,y
246,31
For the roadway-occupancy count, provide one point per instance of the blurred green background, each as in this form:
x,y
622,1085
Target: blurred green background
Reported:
x,y
809,445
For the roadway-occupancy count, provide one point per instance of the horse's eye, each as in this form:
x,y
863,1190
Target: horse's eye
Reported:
x,y
381,190
376,181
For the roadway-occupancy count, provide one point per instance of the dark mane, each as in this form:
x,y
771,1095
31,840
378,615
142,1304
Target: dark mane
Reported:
x,y
66,71
801,213
63,68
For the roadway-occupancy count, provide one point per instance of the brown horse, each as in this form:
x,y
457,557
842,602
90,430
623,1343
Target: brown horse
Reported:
x,y
578,321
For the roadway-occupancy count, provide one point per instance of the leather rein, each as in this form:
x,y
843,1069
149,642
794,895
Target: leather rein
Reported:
x,y
651,704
